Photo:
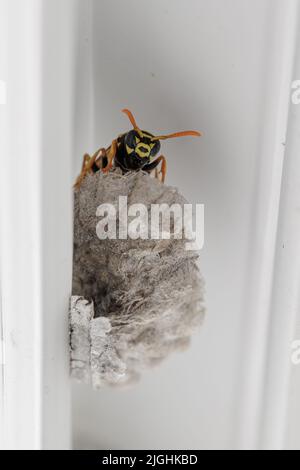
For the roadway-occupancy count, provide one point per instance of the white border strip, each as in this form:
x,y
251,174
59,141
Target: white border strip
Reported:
x,y
36,220
20,230
257,333
286,288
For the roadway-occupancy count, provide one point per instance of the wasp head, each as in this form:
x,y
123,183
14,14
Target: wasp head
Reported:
x,y
143,146
140,144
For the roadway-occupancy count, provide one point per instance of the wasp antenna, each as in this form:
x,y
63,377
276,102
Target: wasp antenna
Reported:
x,y
177,134
132,120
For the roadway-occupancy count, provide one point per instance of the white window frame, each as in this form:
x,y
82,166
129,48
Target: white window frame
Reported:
x,y
36,221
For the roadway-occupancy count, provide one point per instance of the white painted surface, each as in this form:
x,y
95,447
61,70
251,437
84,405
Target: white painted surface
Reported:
x,y
224,68
287,272
59,32
262,408
36,221
20,235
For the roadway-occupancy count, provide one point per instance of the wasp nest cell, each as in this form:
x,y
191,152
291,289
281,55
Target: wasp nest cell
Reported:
x,y
134,300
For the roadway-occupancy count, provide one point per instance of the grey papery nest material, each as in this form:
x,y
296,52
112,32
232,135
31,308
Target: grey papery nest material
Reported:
x,y
134,301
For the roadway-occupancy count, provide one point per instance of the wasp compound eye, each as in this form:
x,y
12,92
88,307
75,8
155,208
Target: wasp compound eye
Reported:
x,y
131,139
155,148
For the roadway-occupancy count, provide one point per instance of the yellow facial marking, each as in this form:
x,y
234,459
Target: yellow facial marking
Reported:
x,y
128,149
142,150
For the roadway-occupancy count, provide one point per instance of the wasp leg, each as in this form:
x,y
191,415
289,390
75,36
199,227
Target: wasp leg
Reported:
x,y
100,160
88,164
110,155
85,161
163,169
153,165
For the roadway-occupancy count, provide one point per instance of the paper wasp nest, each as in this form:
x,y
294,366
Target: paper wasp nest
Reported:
x,y
134,301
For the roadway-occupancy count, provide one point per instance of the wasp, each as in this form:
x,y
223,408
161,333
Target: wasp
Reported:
x,y
131,151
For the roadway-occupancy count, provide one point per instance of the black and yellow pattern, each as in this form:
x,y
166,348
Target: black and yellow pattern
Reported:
x,y
131,151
